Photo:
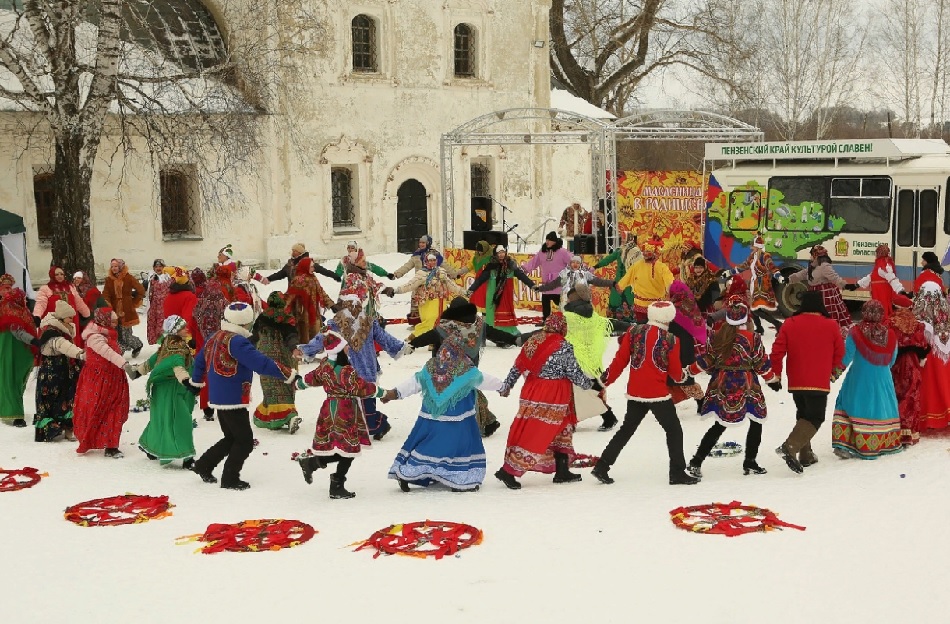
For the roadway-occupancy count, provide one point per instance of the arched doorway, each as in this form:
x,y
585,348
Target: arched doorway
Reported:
x,y
412,215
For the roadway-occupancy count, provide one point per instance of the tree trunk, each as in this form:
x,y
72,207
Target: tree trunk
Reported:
x,y
72,236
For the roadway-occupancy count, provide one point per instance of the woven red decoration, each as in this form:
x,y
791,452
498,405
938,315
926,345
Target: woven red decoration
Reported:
x,y
252,536
123,509
20,479
584,461
423,539
729,519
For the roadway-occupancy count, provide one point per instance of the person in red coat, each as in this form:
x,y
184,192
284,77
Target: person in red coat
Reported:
x,y
811,343
931,271
652,354
180,301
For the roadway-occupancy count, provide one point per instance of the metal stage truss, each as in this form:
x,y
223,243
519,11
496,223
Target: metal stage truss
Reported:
x,y
551,126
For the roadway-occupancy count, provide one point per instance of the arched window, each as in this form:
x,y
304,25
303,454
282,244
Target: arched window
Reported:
x,y
364,44
464,51
184,31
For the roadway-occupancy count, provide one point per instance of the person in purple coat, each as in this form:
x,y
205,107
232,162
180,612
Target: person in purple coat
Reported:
x,y
551,259
227,364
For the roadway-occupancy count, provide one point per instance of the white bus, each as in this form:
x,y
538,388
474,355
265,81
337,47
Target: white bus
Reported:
x,y
848,195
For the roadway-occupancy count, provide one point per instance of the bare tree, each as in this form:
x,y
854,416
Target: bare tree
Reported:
x,y
159,76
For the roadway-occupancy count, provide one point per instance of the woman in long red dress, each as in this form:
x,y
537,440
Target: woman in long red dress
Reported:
x,y
181,301
101,406
306,301
912,349
931,307
541,438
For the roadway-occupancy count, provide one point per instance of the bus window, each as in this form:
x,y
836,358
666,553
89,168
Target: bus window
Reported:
x,y
863,203
927,234
797,204
905,218
946,210
744,208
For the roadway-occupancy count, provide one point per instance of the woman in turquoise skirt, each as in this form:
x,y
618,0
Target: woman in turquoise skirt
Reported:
x,y
866,421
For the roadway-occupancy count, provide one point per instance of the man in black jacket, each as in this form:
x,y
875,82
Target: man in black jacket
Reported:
x,y
297,253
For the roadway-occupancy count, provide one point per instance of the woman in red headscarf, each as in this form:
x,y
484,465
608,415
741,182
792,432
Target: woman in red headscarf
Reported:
x,y
59,288
882,280
17,337
306,300
101,406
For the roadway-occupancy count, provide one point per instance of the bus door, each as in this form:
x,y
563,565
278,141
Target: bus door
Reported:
x,y
915,227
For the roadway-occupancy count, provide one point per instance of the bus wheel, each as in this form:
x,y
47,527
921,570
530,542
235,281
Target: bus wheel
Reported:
x,y
790,298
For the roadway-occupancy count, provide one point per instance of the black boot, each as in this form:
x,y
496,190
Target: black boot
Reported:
x,y
682,478
309,465
600,473
750,467
336,487
383,430
207,477
695,468
562,471
491,428
235,485
188,463
403,484
508,479
610,420
19,422
209,414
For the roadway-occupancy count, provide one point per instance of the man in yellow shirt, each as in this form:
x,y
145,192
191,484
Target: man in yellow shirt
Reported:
x,y
650,279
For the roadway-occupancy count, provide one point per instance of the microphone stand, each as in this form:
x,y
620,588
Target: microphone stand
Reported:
x,y
504,209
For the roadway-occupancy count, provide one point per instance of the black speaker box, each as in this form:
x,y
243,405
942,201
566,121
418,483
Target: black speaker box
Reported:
x,y
470,238
481,214
584,244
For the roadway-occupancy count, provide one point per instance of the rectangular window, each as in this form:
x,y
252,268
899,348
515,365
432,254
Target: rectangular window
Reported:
x,y
178,197
481,180
927,219
905,218
799,204
863,203
44,198
341,183
946,209
744,208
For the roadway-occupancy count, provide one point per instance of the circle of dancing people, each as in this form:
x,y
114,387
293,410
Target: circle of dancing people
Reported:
x,y
213,333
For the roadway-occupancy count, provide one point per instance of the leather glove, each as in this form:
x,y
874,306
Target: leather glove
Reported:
x,y
390,276
338,278
596,386
192,388
851,287
775,385
389,291
132,371
37,320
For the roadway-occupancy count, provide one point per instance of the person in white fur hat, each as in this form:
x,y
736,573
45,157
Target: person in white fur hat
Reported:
x,y
652,354
227,364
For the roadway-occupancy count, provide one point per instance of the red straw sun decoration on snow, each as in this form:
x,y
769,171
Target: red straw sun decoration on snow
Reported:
x,y
251,536
729,519
422,539
19,479
122,509
584,461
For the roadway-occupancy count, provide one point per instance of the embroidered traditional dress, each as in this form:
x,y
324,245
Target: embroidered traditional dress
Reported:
x,y
650,281
912,350
341,423
306,300
499,299
430,289
546,418
824,279
445,445
701,285
101,406
866,421
169,433
882,281
16,354
157,292
56,379
620,304
762,271
933,310
480,260
275,336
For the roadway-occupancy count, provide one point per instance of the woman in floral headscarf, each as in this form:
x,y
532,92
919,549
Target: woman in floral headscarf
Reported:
x,y
499,299
931,307
17,337
907,372
275,335
307,300
866,422
541,438
59,288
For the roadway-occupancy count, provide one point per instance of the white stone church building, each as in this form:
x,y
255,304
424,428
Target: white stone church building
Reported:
x,y
399,74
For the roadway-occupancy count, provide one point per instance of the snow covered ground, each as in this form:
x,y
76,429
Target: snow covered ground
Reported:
x,y
875,548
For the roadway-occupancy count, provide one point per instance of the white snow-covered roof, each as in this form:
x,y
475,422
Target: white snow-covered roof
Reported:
x,y
563,100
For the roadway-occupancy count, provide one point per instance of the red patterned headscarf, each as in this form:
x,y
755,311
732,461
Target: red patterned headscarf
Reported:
x,y
873,338
14,313
58,286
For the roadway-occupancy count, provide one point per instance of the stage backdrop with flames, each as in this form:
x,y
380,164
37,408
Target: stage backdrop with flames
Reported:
x,y
666,203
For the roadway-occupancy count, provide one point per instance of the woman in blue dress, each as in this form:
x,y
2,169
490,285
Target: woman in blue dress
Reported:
x,y
445,444
866,421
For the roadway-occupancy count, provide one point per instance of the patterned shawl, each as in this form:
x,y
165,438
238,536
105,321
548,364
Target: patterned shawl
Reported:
x,y
688,315
58,287
470,336
13,312
543,344
276,310
447,378
874,340
173,344
85,284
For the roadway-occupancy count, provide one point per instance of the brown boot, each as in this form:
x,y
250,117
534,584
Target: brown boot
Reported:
x,y
801,434
806,456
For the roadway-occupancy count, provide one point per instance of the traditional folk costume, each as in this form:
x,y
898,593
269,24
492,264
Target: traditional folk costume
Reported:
x,y
354,253
703,283
499,299
362,332
298,253
735,359
17,350
181,301
812,344
356,272
101,406
227,365
56,290
169,434
550,260
689,327
60,363
124,294
211,301
416,262
620,304
866,422
762,272
573,275
306,301
931,307
820,276
430,288
907,372
649,279
275,335
158,289
90,295
444,445
930,272
652,355
882,280
541,435
341,431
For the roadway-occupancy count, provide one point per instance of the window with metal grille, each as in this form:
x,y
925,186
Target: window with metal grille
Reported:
x,y
341,182
481,180
179,210
45,198
464,51
364,44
